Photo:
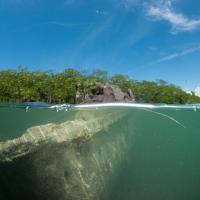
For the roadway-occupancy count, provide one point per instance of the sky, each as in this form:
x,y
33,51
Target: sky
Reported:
x,y
144,39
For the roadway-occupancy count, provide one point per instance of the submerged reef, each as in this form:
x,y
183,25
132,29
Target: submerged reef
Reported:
x,y
74,160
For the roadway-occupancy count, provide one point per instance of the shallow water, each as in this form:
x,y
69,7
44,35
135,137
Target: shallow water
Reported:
x,y
115,151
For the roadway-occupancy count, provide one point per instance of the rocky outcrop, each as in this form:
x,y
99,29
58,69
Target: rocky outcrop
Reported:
x,y
74,160
105,93
84,127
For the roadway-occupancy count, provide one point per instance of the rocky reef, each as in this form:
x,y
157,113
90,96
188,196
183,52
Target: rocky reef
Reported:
x,y
74,160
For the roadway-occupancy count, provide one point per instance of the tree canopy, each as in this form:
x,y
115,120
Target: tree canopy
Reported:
x,y
22,85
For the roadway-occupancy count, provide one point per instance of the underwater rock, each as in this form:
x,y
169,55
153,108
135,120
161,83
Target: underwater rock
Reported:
x,y
74,160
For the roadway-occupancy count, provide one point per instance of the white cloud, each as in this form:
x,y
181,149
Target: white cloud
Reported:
x,y
63,24
174,56
163,10
100,12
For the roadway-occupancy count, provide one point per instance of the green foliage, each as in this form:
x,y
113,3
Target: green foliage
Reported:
x,y
22,85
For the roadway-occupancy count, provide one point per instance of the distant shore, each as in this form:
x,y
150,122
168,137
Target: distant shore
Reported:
x,y
21,85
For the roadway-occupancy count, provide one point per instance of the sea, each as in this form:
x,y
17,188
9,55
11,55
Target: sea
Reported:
x,y
105,151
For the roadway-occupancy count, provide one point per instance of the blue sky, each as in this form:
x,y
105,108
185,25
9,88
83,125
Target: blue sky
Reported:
x,y
145,39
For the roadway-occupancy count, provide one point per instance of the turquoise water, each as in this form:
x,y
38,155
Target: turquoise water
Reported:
x,y
137,152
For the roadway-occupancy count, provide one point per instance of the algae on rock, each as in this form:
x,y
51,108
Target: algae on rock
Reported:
x,y
72,160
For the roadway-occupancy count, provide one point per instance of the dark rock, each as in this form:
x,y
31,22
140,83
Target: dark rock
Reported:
x,y
105,93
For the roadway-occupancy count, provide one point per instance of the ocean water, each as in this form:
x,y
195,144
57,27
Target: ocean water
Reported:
x,y
100,151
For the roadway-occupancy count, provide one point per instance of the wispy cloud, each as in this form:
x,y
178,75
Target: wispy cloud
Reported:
x,y
16,3
130,3
100,12
167,58
73,2
163,10
94,31
63,24
174,56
